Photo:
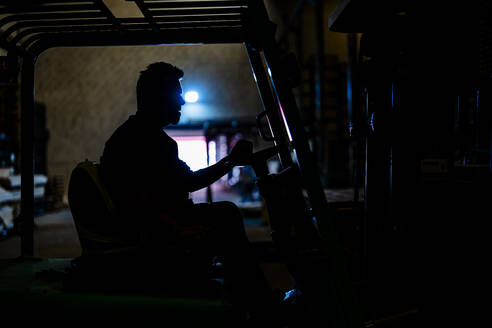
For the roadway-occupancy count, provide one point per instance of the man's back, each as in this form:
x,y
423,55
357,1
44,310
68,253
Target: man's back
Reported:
x,y
140,164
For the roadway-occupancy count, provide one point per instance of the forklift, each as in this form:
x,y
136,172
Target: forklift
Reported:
x,y
303,232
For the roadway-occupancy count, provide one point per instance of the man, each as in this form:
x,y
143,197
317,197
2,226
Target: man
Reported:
x,y
151,185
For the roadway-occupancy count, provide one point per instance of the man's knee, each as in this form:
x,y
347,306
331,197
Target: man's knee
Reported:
x,y
228,214
228,207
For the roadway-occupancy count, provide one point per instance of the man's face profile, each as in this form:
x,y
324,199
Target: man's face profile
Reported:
x,y
177,101
168,102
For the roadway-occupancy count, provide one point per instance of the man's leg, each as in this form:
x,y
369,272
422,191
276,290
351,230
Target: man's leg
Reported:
x,y
227,238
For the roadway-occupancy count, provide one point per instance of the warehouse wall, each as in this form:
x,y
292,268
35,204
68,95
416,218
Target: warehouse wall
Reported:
x,y
88,92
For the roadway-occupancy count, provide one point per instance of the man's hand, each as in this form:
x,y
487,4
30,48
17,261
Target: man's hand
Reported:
x,y
241,153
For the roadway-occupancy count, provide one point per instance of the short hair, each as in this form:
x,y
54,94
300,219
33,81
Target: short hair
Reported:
x,y
154,78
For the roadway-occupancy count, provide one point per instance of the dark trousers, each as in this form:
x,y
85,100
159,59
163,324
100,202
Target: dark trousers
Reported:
x,y
227,239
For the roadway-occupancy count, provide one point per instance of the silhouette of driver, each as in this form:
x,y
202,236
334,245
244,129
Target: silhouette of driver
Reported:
x,y
150,185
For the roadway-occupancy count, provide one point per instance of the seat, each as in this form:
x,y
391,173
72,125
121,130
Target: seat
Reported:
x,y
112,250
95,214
105,285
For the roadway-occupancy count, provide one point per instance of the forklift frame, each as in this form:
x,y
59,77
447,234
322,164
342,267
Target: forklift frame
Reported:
x,y
26,30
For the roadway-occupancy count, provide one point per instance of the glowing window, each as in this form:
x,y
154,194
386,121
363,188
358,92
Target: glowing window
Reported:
x,y
193,150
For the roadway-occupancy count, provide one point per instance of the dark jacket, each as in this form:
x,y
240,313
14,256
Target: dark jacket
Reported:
x,y
140,158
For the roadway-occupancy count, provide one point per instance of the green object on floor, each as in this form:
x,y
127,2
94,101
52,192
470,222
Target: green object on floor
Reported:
x,y
24,291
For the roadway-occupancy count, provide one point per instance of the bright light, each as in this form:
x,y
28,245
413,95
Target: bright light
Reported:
x,y
193,151
191,96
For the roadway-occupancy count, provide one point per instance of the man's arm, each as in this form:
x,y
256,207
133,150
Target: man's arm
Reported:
x,y
204,177
240,155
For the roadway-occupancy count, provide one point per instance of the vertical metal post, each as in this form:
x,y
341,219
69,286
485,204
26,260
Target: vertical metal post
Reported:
x,y
269,103
320,86
27,157
352,87
355,117
299,46
298,33
209,187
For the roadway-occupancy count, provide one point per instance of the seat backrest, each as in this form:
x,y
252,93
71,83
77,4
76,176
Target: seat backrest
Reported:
x,y
94,212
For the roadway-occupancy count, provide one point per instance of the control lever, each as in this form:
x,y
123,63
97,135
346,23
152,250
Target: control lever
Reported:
x,y
259,160
259,124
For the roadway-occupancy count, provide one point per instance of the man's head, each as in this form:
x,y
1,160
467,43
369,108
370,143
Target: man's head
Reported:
x,y
159,93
